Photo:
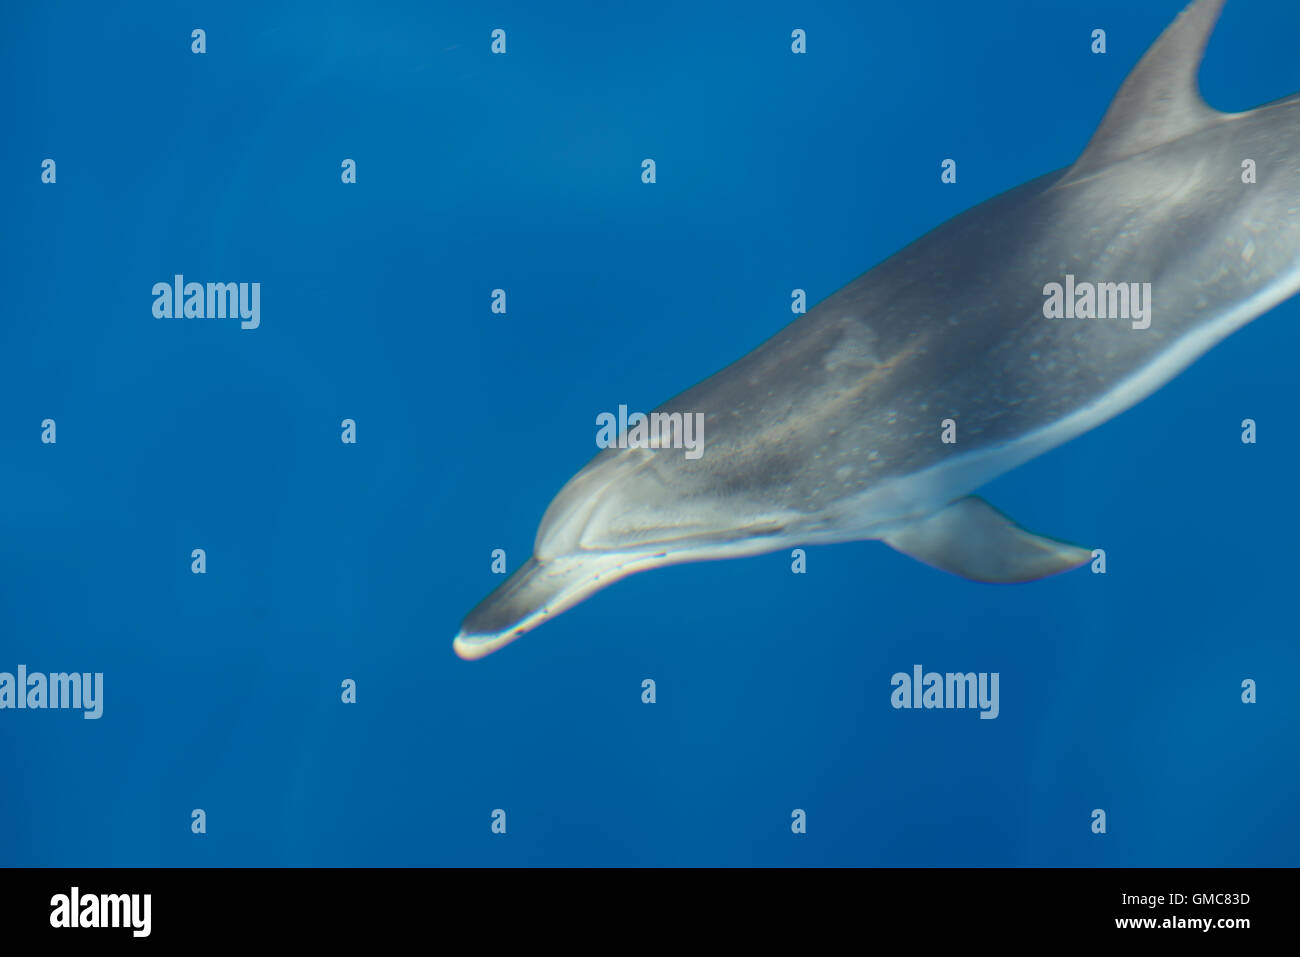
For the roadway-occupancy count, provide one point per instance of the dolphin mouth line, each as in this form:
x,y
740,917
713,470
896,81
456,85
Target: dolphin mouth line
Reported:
x,y
542,588
538,590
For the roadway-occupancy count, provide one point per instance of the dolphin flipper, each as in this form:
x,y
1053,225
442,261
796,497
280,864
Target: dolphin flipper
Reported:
x,y
972,539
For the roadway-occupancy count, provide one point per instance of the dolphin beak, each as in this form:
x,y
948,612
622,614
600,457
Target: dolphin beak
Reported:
x,y
538,590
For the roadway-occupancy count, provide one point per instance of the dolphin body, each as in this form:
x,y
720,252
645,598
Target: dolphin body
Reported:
x,y
831,430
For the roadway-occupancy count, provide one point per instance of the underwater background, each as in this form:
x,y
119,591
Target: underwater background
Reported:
x,y
328,561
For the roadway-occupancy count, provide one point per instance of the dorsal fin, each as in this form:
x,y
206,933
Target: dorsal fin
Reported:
x,y
1160,100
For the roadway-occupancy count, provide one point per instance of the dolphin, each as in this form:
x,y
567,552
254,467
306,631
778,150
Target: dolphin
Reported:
x,y
839,428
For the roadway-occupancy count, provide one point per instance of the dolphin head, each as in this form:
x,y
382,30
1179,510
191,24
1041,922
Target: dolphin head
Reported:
x,y
628,510
585,542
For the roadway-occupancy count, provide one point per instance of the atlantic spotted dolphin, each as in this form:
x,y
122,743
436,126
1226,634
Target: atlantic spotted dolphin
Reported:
x,y
834,429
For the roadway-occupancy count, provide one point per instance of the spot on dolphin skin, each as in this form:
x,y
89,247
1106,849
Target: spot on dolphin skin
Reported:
x,y
854,349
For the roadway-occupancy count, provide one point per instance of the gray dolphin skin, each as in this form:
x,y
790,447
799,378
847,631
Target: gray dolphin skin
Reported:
x,y
831,430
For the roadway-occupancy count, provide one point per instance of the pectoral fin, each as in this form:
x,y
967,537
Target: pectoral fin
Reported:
x,y
973,539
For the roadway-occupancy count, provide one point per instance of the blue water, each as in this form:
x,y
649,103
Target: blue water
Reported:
x,y
329,561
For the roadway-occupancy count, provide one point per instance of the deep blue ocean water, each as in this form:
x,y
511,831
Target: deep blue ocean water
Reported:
x,y
329,561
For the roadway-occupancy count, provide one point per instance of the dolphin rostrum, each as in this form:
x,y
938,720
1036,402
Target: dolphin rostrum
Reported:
x,y
834,429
